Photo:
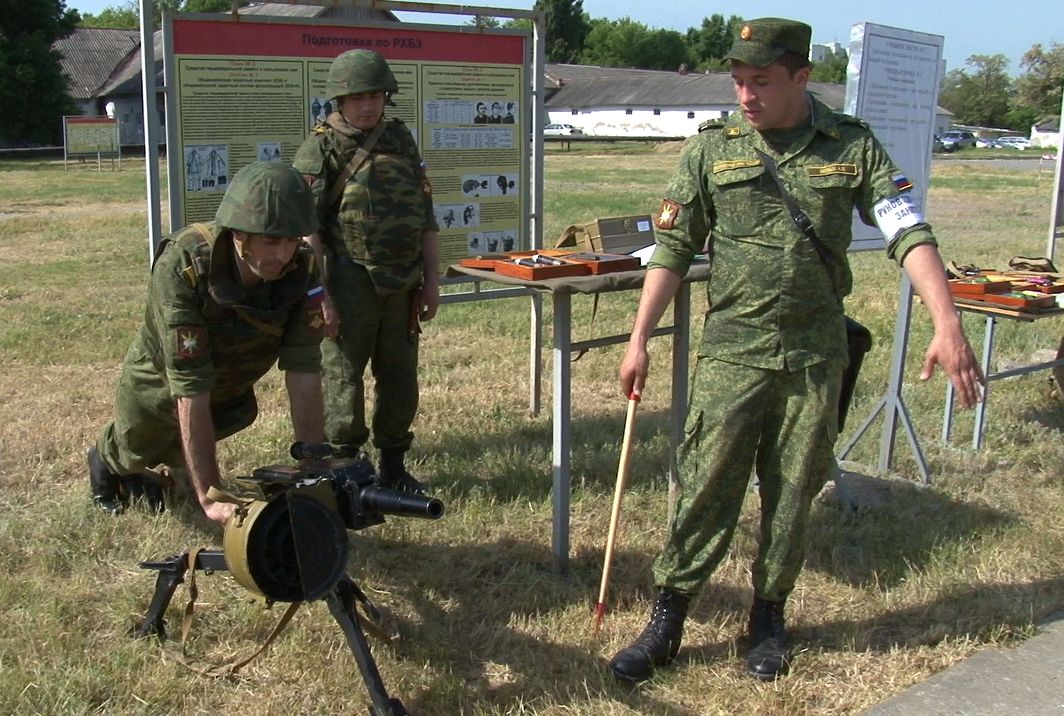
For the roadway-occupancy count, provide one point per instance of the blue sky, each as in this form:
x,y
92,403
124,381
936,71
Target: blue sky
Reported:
x,y
1003,29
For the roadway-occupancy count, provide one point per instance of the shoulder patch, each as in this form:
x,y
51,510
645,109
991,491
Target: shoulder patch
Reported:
x,y
667,214
711,124
733,132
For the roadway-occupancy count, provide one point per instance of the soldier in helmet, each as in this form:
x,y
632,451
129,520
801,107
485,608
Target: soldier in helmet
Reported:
x,y
378,238
765,392
226,301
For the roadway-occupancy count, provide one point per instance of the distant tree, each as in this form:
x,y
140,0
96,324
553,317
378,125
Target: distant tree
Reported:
x,y
1038,88
33,88
832,70
127,14
711,42
982,97
483,21
628,43
566,28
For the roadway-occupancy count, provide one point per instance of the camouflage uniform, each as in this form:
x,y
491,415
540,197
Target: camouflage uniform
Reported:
x,y
203,333
373,242
765,389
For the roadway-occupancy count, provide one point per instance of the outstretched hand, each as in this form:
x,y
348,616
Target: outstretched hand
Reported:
x,y
954,355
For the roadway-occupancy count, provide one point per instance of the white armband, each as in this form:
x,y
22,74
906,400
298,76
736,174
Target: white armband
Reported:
x,y
896,214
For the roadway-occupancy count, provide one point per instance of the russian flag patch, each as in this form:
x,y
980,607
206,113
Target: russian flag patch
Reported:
x,y
316,295
901,182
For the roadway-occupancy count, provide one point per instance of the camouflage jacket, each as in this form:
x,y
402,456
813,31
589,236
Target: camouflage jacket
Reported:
x,y
386,205
772,302
204,332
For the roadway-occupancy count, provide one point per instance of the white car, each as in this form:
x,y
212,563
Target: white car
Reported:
x,y
1014,142
561,130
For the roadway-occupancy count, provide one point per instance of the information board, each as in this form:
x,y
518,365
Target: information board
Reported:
x,y
249,90
90,136
892,83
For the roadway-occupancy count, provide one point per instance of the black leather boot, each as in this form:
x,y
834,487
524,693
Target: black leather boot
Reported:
x,y
104,485
769,656
144,489
658,643
393,473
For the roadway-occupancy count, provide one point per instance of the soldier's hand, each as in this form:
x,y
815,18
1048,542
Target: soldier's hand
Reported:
x,y
430,302
219,512
634,368
331,318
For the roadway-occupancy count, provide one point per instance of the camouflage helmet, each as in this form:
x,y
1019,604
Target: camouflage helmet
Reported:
x,y
359,71
269,198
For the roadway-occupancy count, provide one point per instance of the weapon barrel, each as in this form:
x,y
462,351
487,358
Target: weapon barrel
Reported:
x,y
392,502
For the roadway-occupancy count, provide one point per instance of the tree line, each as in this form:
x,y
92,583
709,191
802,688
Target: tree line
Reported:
x,y
980,94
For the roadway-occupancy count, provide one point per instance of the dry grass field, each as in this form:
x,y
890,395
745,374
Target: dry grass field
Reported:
x,y
892,593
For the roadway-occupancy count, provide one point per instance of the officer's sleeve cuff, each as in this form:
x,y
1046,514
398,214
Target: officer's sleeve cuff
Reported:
x,y
300,359
920,234
663,257
184,384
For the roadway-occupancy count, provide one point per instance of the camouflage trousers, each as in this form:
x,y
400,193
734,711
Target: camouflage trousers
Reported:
x,y
780,424
374,331
144,431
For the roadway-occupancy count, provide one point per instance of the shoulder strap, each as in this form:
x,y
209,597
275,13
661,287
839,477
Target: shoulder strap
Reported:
x,y
799,217
360,156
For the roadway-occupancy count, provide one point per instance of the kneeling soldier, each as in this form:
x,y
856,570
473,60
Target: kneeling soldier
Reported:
x,y
225,301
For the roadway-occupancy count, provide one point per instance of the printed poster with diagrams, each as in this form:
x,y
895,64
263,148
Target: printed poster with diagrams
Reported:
x,y
90,136
251,90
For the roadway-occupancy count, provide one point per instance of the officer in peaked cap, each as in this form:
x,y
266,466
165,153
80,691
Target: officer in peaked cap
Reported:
x,y
765,394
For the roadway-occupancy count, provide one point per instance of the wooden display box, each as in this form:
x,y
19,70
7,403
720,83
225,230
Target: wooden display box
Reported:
x,y
604,263
1021,301
1039,287
978,286
523,270
485,262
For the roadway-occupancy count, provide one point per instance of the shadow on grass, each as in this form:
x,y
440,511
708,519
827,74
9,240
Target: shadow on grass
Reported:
x,y
465,625
896,530
980,611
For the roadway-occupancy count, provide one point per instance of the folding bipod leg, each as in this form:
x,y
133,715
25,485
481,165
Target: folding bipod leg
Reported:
x,y
341,601
172,573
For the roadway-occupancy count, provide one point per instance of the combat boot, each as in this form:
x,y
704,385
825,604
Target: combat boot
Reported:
x,y
658,643
393,473
769,656
104,485
144,489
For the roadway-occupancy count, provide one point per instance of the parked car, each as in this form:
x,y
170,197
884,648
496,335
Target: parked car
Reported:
x,y
985,143
1014,142
561,130
957,139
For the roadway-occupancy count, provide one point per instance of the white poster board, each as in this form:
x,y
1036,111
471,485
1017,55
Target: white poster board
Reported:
x,y
892,83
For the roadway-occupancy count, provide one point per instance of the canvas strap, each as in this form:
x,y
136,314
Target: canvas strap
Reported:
x,y
180,653
799,217
359,158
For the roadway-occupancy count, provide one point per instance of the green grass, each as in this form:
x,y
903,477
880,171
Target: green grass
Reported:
x,y
892,593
